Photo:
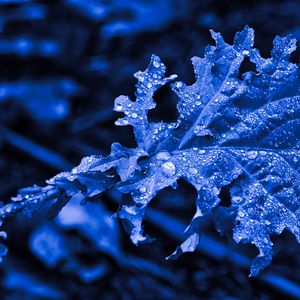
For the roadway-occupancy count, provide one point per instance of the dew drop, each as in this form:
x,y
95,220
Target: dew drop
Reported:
x,y
252,154
74,170
263,153
129,209
173,76
156,64
164,155
202,151
241,213
237,199
142,189
215,191
245,52
121,122
168,169
134,115
196,129
118,107
149,85
8,208
193,171
179,84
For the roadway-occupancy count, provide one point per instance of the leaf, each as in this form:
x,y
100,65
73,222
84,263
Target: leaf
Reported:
x,y
231,130
235,131
147,135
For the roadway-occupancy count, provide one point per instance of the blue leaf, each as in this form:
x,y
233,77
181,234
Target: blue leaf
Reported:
x,y
244,132
236,131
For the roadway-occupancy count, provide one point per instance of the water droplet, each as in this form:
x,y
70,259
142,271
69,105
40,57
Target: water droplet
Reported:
x,y
134,115
118,107
263,153
179,84
164,155
215,191
197,129
265,240
129,209
252,154
237,199
198,103
193,171
168,169
139,76
202,151
267,222
241,213
156,64
8,208
245,52
74,170
121,122
142,189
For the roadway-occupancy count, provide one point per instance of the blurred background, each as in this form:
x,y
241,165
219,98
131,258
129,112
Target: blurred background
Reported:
x,y
62,64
